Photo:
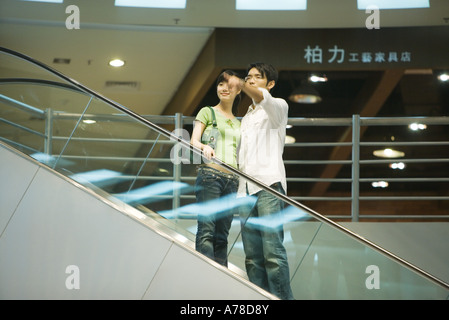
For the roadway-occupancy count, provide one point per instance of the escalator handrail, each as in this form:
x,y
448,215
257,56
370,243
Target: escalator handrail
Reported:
x,y
186,144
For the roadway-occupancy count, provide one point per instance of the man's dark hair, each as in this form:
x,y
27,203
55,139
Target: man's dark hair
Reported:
x,y
266,70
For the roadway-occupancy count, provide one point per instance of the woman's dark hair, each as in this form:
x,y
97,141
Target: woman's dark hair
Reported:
x,y
238,98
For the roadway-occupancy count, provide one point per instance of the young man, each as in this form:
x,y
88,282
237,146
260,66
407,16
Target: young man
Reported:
x,y
260,156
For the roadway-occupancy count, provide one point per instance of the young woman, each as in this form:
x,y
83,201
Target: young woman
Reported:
x,y
214,183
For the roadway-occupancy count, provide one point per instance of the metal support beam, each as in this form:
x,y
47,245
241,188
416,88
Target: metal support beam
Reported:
x,y
355,188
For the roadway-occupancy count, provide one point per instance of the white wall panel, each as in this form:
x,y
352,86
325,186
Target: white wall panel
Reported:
x,y
179,276
12,188
59,224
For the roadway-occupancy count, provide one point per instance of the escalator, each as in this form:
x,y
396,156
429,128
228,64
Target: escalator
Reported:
x,y
97,203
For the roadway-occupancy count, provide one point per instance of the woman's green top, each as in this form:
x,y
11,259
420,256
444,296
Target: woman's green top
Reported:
x,y
229,139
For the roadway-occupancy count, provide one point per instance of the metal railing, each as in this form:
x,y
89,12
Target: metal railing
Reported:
x,y
355,123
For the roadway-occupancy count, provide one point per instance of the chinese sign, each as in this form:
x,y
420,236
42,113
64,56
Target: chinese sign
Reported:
x,y
336,49
338,55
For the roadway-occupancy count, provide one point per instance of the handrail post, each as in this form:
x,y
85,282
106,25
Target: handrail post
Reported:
x,y
177,165
48,131
355,188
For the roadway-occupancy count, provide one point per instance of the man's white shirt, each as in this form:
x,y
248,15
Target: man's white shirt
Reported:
x,y
262,143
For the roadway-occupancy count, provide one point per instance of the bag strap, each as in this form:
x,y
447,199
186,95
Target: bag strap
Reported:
x,y
214,120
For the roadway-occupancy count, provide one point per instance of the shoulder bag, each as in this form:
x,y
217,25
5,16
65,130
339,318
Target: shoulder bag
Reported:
x,y
210,138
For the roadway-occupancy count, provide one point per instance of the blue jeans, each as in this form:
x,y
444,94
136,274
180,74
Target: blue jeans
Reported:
x,y
213,222
266,258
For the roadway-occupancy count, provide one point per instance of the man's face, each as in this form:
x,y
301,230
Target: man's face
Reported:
x,y
255,78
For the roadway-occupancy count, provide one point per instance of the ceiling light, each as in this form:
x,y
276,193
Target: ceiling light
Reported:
x,y
417,126
388,153
89,121
443,77
271,5
52,1
397,165
393,4
162,170
116,63
379,184
318,78
305,93
166,4
289,140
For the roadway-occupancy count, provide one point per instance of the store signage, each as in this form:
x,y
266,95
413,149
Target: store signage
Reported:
x,y
338,49
338,55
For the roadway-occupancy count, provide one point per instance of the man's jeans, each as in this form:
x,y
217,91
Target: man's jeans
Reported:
x,y
213,223
266,257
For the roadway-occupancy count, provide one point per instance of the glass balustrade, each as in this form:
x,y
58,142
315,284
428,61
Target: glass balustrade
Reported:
x,y
125,158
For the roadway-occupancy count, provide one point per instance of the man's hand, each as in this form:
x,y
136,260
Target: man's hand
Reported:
x,y
234,81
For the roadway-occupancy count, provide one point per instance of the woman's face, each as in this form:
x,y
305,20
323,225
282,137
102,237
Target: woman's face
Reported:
x,y
225,93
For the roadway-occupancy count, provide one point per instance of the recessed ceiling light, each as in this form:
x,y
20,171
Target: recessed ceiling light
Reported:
x,y
318,78
271,5
51,1
116,63
443,77
397,165
166,4
305,93
289,140
417,126
393,4
388,153
379,184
